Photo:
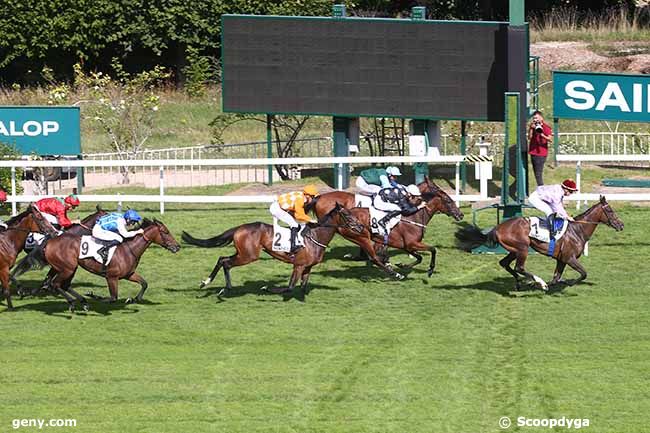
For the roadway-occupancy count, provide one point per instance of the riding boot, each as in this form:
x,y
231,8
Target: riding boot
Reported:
x,y
294,237
551,226
384,221
103,253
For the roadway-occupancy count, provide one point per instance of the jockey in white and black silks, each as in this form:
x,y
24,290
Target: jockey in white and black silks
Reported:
x,y
372,180
396,201
549,199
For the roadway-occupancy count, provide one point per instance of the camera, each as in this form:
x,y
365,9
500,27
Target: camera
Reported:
x,y
537,125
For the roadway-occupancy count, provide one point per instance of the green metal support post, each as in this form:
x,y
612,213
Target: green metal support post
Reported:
x,y
269,145
556,140
463,151
80,177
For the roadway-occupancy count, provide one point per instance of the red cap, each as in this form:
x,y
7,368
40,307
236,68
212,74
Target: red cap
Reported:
x,y
3,196
72,200
570,185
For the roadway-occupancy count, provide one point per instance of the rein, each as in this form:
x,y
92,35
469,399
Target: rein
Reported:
x,y
413,223
308,236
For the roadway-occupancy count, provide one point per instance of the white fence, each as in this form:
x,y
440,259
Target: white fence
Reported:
x,y
584,197
602,143
163,165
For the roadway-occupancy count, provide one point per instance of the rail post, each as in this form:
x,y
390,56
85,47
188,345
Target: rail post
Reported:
x,y
162,190
13,190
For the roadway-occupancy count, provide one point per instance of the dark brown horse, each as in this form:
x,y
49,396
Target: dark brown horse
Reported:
x,y
84,227
513,236
12,241
250,239
62,253
406,236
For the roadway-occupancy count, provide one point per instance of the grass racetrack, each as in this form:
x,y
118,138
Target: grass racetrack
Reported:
x,y
453,353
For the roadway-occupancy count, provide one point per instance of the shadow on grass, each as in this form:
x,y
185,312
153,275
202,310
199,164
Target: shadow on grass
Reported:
x,y
262,288
505,286
58,307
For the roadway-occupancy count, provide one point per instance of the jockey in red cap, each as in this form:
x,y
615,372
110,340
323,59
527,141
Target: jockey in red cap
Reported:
x,y
549,198
55,209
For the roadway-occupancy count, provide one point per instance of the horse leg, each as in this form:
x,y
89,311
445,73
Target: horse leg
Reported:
x,y
576,266
305,279
214,272
66,287
136,278
368,247
57,285
6,291
557,275
505,264
522,255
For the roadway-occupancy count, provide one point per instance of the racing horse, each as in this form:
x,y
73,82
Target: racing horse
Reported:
x,y
62,254
407,235
12,241
513,235
84,227
250,239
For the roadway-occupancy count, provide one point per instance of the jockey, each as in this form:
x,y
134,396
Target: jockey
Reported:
x,y
372,180
290,209
396,201
55,210
548,199
3,198
112,228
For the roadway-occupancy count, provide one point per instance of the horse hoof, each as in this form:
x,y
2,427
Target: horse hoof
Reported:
x,y
71,308
399,276
430,273
221,292
129,301
86,307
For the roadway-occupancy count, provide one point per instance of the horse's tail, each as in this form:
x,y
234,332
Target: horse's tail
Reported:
x,y
33,261
218,241
469,237
311,206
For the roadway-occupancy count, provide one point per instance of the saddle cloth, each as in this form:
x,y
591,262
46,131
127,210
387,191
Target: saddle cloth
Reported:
x,y
539,229
362,200
376,215
282,238
89,247
33,240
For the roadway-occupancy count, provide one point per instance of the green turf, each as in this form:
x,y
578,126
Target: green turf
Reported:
x,y
452,353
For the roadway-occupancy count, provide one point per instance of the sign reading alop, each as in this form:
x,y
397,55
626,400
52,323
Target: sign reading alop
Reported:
x,y
41,130
598,96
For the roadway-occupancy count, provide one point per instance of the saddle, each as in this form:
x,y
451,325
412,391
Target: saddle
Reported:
x,y
282,238
363,200
89,248
376,215
539,228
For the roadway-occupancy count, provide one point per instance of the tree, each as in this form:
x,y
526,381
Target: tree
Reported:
x,y
285,130
125,107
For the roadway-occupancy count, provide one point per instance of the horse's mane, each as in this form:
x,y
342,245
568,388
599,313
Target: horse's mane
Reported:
x,y
582,215
18,217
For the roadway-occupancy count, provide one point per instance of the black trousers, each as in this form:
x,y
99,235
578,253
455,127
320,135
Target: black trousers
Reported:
x,y
538,168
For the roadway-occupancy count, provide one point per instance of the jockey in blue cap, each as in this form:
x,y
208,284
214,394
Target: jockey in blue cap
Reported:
x,y
112,229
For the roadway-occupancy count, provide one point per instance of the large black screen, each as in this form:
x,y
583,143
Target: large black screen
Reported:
x,y
364,67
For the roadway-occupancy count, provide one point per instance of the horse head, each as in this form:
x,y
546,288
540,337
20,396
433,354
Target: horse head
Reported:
x,y
345,216
160,235
38,223
439,201
608,216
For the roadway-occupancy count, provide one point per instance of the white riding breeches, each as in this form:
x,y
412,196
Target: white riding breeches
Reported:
x,y
105,235
540,204
380,204
366,187
283,215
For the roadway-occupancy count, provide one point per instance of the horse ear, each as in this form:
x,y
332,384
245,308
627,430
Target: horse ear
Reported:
x,y
98,207
602,199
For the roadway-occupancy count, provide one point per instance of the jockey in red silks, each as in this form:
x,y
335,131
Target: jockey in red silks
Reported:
x,y
56,210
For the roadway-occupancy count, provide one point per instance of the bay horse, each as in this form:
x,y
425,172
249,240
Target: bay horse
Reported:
x,y
62,254
84,227
12,242
512,234
407,235
250,239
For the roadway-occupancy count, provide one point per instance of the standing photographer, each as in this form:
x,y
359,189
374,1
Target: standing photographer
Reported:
x,y
540,135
